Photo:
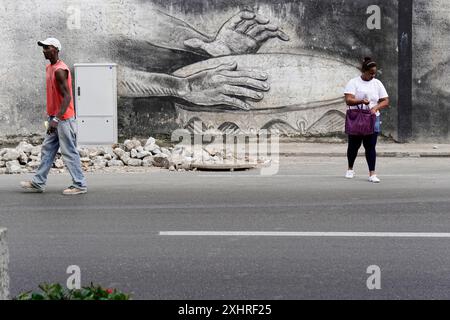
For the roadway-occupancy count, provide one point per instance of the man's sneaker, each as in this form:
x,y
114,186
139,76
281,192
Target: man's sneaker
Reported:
x,y
350,174
374,179
73,191
30,187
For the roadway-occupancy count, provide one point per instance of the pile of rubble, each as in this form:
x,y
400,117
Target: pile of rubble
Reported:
x,y
24,158
131,154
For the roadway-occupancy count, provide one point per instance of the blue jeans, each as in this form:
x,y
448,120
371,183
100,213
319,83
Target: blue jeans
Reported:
x,y
64,137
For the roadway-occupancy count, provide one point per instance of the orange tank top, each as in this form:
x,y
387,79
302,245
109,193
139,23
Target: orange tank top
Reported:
x,y
54,96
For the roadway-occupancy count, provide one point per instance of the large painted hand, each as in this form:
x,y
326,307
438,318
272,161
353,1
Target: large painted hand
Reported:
x,y
244,33
225,85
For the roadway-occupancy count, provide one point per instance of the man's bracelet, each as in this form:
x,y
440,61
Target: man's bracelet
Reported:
x,y
55,119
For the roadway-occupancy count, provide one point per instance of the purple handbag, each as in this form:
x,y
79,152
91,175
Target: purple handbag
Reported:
x,y
360,122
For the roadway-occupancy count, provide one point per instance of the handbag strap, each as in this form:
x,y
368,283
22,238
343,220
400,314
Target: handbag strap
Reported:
x,y
357,106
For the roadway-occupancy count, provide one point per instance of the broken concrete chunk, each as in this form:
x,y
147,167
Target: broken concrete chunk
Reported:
x,y
23,158
115,163
33,165
25,147
131,144
133,153
135,162
13,167
59,164
11,154
36,151
84,153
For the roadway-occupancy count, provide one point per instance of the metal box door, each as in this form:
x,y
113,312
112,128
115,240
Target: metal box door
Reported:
x,y
96,102
95,130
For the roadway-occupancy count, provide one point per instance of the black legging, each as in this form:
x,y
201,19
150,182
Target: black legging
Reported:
x,y
354,143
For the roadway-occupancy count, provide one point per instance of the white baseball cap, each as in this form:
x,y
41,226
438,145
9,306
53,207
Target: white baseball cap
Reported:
x,y
51,42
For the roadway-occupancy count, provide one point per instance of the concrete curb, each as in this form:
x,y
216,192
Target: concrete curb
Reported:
x,y
4,260
379,154
383,150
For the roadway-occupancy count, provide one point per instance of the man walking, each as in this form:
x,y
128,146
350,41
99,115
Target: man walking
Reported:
x,y
61,131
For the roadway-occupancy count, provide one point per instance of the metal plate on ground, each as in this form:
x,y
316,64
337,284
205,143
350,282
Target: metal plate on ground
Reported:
x,y
223,166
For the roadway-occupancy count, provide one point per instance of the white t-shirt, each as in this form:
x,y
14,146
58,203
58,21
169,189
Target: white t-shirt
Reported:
x,y
372,90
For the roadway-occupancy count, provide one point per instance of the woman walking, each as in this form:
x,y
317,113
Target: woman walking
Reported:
x,y
365,92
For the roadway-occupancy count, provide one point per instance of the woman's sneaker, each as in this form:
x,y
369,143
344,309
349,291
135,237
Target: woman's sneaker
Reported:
x,y
350,174
374,179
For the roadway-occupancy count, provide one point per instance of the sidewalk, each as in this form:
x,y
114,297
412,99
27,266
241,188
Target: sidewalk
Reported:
x,y
301,149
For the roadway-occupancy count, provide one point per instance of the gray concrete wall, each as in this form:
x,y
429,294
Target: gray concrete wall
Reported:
x,y
431,72
327,40
4,259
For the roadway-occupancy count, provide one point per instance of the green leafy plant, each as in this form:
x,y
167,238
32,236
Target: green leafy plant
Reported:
x,y
55,291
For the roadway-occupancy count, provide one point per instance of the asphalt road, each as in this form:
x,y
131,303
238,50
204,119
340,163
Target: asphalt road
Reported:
x,y
113,232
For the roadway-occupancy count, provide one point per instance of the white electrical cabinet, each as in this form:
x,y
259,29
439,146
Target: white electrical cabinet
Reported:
x,y
96,103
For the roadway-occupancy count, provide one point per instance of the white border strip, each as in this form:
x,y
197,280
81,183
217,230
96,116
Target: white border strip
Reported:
x,y
306,234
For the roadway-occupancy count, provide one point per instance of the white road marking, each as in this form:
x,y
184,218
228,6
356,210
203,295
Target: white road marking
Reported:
x,y
306,234
255,174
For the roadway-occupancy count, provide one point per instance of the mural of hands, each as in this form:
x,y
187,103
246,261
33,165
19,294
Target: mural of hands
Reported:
x,y
243,33
225,85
